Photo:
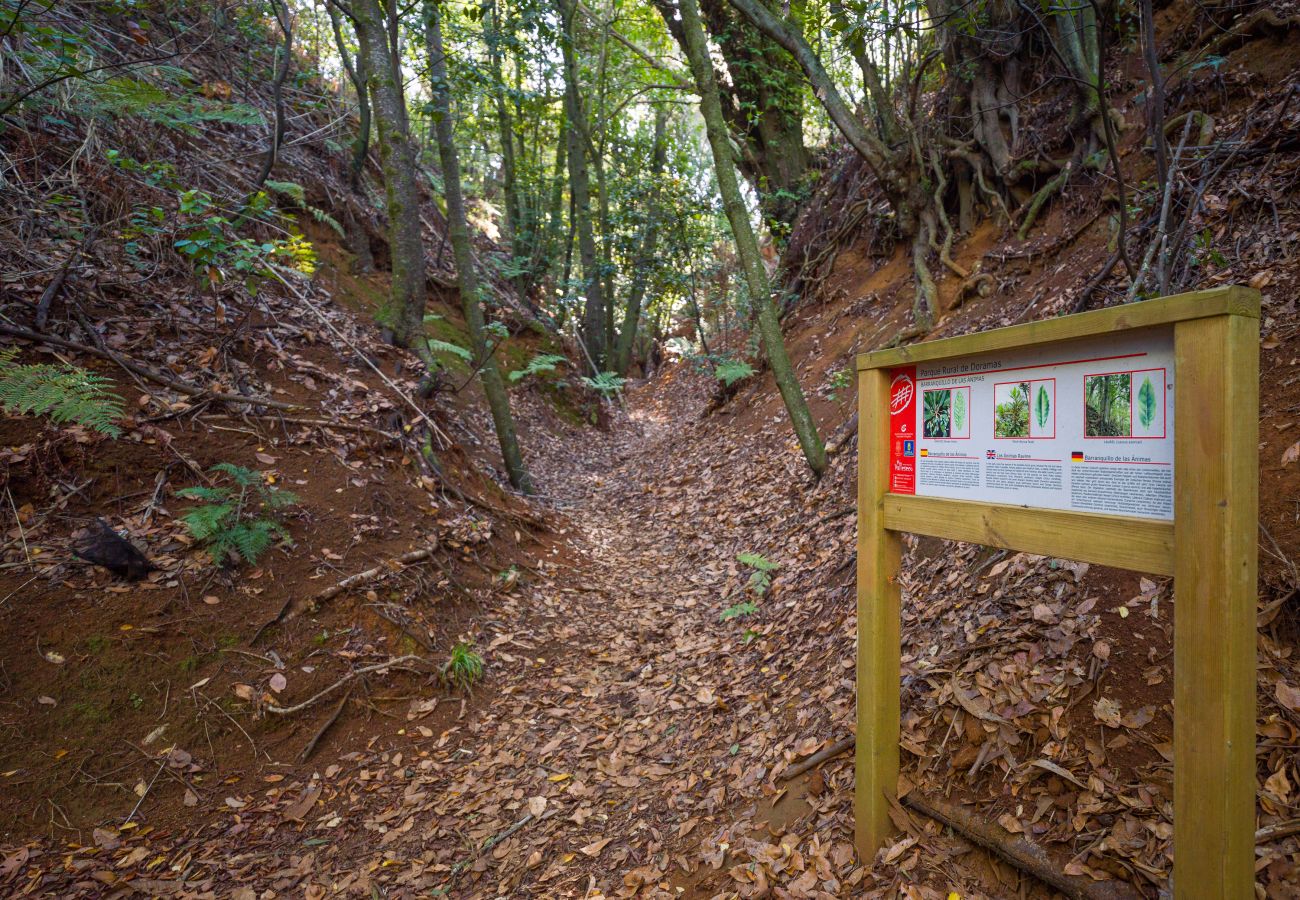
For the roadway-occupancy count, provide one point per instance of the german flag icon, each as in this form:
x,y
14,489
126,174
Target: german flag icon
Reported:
x,y
1076,456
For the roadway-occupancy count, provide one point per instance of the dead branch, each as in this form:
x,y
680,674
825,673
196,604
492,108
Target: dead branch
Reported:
x,y
142,370
364,670
834,750
1018,850
290,608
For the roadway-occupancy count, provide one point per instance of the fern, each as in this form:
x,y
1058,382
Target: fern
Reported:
x,y
234,523
437,346
291,189
545,362
761,578
326,219
732,370
66,394
744,608
607,384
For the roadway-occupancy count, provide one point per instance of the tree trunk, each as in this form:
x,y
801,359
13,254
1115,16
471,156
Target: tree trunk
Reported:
x,y
593,313
405,311
763,105
458,233
358,74
646,252
512,235
697,53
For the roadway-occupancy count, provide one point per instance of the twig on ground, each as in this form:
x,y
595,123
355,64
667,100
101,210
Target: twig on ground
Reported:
x,y
325,726
364,670
385,568
820,757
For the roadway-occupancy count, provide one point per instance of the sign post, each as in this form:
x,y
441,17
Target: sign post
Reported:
x,y
1125,437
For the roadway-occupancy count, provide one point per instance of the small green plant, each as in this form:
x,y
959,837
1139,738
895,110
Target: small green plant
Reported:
x,y
838,381
545,362
607,384
237,522
739,610
729,371
66,394
463,667
761,578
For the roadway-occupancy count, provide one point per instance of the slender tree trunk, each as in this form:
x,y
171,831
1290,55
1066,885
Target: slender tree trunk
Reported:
x,y
544,251
646,252
513,231
458,232
697,53
405,312
593,313
358,74
285,18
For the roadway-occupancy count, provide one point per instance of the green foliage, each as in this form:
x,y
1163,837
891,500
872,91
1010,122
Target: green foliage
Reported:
x,y
545,362
936,407
959,412
1011,417
739,610
1108,405
1042,406
463,667
208,240
607,384
729,371
237,521
66,394
839,380
437,346
761,578
1146,403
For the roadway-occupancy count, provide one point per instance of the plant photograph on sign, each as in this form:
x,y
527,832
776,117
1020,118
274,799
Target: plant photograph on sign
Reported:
x,y
937,408
1108,405
1148,420
1011,410
1042,408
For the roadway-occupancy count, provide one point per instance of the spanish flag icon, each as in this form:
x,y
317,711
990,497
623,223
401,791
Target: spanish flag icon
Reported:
x,y
925,452
1076,456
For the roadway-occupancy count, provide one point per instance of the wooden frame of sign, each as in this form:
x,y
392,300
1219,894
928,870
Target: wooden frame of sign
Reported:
x,y
1203,532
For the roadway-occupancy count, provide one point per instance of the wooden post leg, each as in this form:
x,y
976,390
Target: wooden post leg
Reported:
x,y
879,614
1216,520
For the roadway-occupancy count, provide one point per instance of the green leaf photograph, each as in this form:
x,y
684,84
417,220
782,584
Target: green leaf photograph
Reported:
x,y
1011,410
937,409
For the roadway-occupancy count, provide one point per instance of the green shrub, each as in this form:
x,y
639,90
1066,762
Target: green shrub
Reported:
x,y
463,667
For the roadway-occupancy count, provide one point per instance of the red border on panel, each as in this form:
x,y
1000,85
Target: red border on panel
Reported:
x,y
1164,419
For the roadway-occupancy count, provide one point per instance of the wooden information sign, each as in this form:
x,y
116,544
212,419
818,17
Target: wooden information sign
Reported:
x,y
1125,437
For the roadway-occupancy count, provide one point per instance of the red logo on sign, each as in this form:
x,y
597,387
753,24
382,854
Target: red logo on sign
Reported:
x,y
901,391
902,431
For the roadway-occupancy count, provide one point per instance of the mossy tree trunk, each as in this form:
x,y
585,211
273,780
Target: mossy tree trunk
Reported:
x,y
697,54
593,313
458,233
404,314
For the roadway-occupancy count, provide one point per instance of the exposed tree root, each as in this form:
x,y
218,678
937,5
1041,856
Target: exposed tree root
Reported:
x,y
1045,193
320,695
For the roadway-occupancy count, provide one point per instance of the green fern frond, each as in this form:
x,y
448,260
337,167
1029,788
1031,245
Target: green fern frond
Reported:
x,y
291,189
545,362
238,474
326,219
208,522
437,346
66,394
251,539
211,494
755,561
732,370
274,498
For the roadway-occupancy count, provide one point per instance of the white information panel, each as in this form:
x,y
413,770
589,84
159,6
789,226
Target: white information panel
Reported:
x,y
1086,425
